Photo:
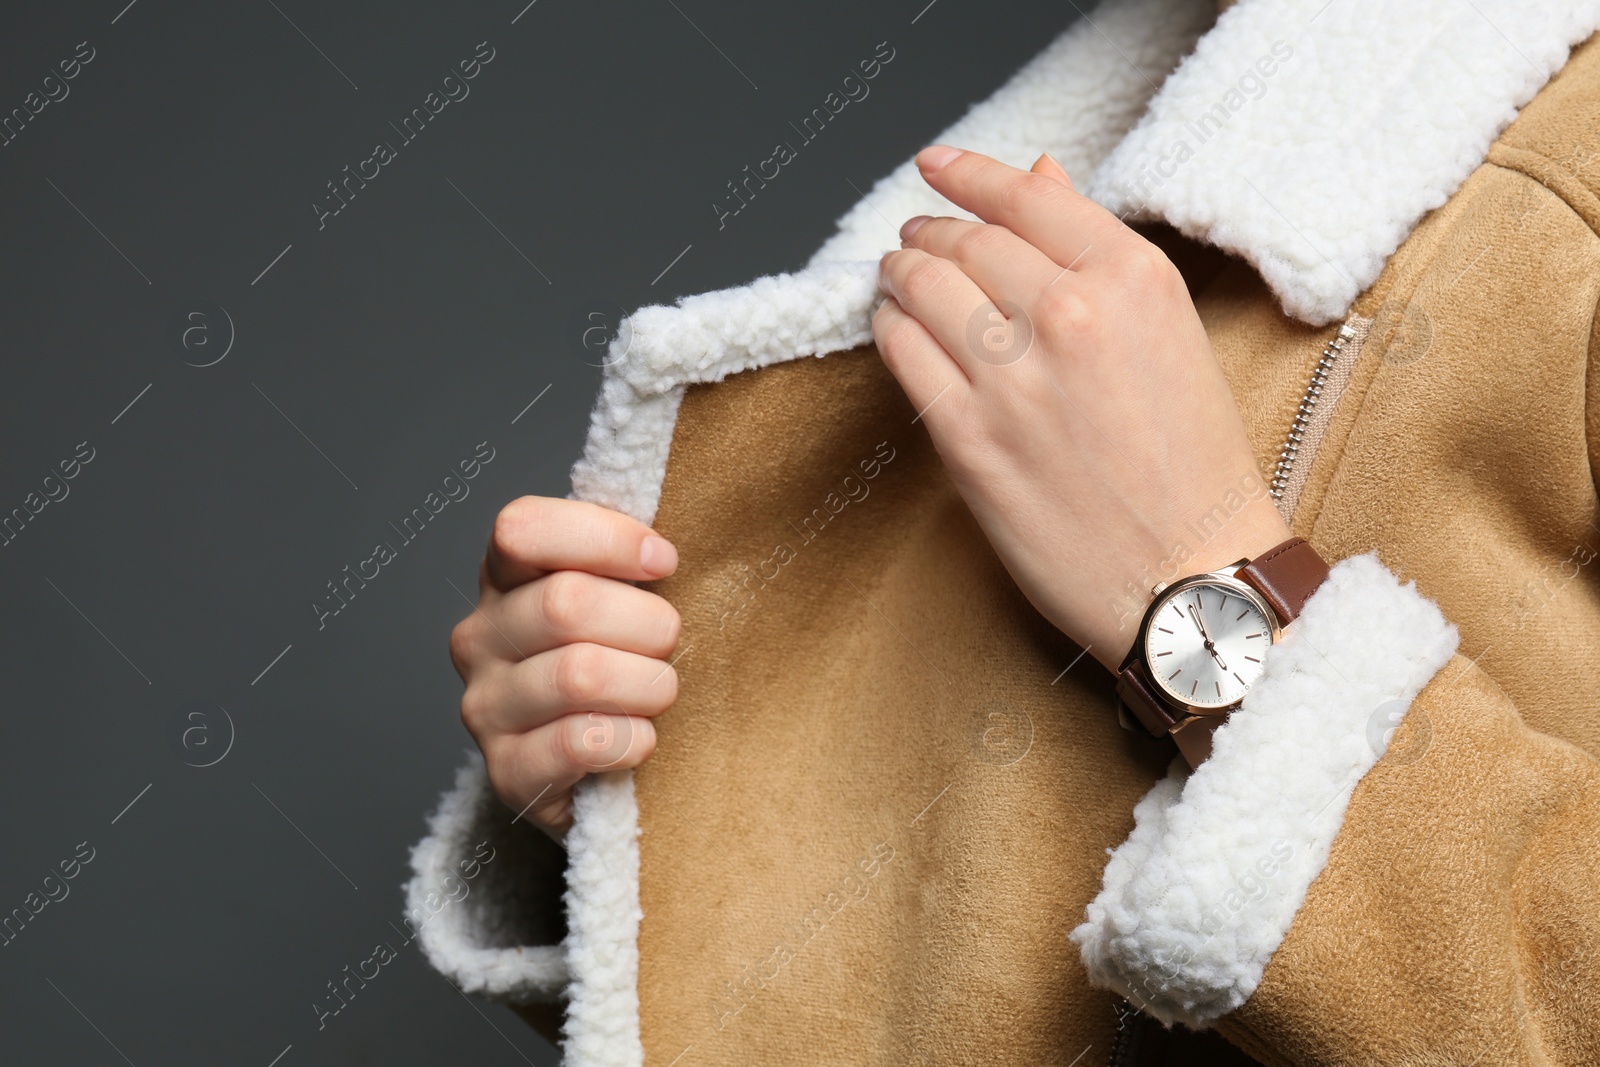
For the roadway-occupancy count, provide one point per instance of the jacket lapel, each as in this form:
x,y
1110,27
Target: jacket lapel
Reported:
x,y
1311,136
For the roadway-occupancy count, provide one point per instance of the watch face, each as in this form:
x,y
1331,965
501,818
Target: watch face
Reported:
x,y
1206,643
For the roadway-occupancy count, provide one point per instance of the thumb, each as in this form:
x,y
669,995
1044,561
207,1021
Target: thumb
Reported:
x,y
1047,165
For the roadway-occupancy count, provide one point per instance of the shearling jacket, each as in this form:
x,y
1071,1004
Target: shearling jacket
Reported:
x,y
894,817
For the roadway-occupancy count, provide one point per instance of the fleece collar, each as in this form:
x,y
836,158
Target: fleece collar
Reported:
x,y
1311,136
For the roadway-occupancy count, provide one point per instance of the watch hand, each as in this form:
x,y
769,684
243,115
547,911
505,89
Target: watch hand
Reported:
x,y
1210,645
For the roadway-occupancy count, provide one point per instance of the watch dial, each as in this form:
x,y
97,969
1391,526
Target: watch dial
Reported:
x,y
1206,644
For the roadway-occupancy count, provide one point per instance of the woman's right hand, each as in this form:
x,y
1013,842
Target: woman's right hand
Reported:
x,y
565,662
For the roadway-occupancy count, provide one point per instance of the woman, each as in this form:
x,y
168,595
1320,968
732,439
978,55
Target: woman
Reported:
x,y
1335,281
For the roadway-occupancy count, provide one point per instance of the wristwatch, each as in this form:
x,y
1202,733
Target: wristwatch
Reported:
x,y
1203,641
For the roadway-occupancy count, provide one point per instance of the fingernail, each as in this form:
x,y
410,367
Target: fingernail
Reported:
x,y
912,226
937,157
657,556
1061,172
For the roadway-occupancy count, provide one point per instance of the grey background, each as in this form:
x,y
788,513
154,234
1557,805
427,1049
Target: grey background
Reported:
x,y
369,359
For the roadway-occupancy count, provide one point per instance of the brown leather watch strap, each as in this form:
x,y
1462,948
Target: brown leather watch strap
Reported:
x,y
1192,733
1139,694
1286,576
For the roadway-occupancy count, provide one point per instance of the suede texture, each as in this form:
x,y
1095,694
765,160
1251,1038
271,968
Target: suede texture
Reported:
x,y
887,789
871,819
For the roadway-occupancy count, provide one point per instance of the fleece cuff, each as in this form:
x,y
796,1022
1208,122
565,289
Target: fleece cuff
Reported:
x,y
482,898
1200,895
468,877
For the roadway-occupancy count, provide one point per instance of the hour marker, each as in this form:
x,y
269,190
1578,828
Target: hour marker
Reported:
x,y
1174,674
1242,614
1236,675
1248,636
1178,610
1252,659
1193,687
1219,689
1163,629
1160,654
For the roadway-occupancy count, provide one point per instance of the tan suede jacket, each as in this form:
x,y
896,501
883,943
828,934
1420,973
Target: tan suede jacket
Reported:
x,y
894,818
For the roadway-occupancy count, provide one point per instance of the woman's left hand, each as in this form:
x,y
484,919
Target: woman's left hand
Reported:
x,y
1069,386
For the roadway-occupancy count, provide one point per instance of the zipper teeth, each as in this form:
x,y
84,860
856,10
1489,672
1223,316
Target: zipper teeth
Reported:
x,y
1308,404
1128,1020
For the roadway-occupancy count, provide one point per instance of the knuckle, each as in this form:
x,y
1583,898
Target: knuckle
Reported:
x,y
920,277
1147,265
463,644
581,673
978,242
473,710
567,601
1025,193
894,335
1064,312
892,339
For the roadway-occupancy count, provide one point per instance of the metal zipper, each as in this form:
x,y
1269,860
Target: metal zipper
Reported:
x,y
1308,403
1130,1028
1311,420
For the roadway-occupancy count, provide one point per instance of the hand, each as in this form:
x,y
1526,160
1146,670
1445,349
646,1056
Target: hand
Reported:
x,y
1068,384
565,662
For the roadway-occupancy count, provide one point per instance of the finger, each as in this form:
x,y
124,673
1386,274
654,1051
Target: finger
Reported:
x,y
1005,267
919,363
1050,167
939,295
534,773
524,696
1038,208
567,607
535,535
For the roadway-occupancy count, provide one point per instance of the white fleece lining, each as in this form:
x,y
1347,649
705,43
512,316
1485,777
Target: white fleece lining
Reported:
x,y
1203,891
472,939
1382,111
602,945
1076,100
